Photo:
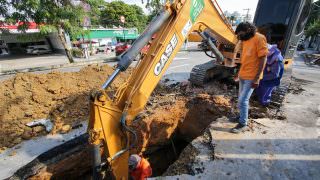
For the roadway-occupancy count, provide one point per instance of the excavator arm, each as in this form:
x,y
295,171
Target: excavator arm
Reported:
x,y
111,116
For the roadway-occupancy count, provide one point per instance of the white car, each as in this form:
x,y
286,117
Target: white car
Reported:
x,y
102,48
31,48
3,52
39,51
111,46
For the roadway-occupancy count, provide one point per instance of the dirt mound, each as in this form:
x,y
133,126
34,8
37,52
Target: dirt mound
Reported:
x,y
62,97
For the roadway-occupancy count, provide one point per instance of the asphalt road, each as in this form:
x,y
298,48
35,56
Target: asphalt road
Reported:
x,y
178,70
181,66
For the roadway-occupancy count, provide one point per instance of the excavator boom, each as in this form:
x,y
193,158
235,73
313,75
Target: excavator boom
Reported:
x,y
111,116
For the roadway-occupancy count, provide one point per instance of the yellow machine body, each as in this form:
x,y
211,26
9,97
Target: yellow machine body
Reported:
x,y
185,17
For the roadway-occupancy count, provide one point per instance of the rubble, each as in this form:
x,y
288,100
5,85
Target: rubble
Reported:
x,y
43,122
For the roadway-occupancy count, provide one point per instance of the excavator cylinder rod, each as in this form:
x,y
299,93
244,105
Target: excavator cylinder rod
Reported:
x,y
111,78
126,59
96,162
212,47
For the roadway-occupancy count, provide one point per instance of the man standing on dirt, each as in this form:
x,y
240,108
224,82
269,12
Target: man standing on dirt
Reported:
x,y
253,60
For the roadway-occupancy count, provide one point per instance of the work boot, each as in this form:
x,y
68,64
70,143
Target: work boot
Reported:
x,y
234,119
239,128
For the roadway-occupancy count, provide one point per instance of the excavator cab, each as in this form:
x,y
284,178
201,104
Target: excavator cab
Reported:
x,y
283,22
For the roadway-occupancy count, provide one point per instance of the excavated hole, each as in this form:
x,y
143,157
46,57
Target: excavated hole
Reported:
x,y
73,160
162,158
166,136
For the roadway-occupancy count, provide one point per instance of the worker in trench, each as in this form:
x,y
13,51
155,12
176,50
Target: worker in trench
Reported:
x,y
139,167
254,50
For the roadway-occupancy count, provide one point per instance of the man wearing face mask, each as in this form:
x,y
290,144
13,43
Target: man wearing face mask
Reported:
x,y
253,59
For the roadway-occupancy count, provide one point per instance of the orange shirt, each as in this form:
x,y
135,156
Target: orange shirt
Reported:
x,y
142,171
252,50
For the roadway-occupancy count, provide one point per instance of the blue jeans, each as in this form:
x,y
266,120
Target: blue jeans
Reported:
x,y
245,92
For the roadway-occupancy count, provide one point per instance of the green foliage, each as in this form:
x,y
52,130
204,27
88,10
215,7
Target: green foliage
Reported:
x,y
28,37
313,29
4,4
76,52
134,15
154,6
51,14
314,14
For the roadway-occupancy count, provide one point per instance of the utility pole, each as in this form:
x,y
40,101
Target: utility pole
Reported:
x,y
123,20
247,14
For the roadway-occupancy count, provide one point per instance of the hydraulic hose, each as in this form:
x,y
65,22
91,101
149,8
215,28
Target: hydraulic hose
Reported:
x,y
212,47
126,128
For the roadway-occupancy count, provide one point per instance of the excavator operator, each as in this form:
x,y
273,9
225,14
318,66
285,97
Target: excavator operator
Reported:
x,y
253,60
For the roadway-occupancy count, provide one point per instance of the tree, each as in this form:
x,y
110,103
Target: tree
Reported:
x,y
154,7
313,24
314,14
134,15
61,16
313,29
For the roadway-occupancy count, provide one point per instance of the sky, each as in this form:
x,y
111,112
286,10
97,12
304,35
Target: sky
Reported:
x,y
226,5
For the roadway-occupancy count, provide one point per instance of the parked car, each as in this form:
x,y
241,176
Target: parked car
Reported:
x,y
111,46
3,52
120,48
39,51
102,48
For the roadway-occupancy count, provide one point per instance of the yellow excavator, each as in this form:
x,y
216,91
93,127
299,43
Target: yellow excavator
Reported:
x,y
282,21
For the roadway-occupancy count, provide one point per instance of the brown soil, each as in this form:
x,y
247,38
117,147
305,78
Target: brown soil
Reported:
x,y
62,97
176,111
179,109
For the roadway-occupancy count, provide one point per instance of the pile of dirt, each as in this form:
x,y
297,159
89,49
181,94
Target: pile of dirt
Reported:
x,y
175,110
61,97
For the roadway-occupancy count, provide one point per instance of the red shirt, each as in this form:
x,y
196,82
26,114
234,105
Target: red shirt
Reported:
x,y
142,171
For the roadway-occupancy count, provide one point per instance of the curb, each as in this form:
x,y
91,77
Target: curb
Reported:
x,y
44,68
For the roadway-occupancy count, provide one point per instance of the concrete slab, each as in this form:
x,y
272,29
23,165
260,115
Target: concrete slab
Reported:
x,y
14,158
279,151
273,149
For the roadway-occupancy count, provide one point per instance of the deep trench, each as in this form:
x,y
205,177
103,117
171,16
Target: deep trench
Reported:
x,y
162,158
72,160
